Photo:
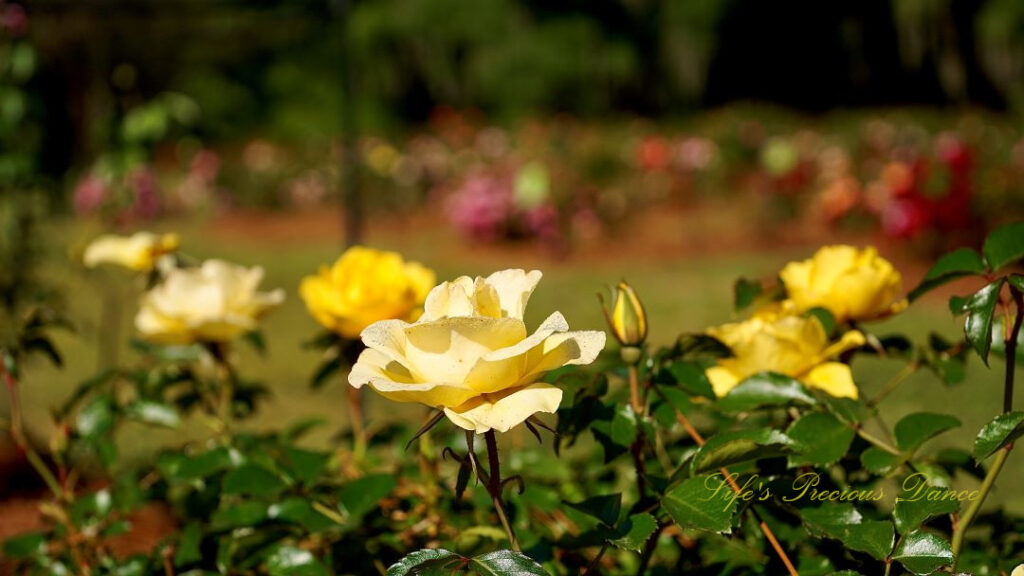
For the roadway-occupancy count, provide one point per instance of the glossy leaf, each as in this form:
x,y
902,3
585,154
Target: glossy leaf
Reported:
x,y
96,418
605,508
187,550
292,561
422,562
730,448
506,563
690,377
915,429
1002,430
822,438
923,552
844,523
253,480
702,502
879,461
156,413
978,325
1004,245
956,264
623,428
919,503
765,389
633,533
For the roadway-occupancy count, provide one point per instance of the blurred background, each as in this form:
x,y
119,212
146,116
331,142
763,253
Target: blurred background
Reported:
x,y
677,144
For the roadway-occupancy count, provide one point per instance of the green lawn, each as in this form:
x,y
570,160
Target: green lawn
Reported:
x,y
681,293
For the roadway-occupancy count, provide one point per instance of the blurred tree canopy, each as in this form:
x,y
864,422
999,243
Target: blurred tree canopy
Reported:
x,y
273,66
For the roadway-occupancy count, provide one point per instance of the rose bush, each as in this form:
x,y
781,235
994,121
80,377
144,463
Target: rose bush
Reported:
x,y
745,448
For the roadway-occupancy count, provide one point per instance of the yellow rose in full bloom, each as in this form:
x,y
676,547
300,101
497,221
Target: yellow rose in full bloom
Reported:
x,y
216,302
470,354
852,284
792,345
138,252
365,286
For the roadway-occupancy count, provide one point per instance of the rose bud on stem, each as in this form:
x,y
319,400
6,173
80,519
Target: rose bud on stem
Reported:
x,y
628,322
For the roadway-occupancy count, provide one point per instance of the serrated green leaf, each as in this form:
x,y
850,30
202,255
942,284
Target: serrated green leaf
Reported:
x,y
923,552
605,508
879,461
1002,430
702,502
765,389
426,562
506,563
1004,245
822,439
915,429
253,480
956,264
844,523
364,494
634,532
729,448
919,502
978,325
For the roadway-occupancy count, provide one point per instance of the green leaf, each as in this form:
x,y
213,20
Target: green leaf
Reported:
x,y
324,372
914,429
824,316
292,561
744,292
956,264
300,511
1004,245
1002,430
923,552
25,545
634,532
362,495
879,461
978,325
846,409
822,438
702,502
623,429
305,465
253,480
96,418
187,551
156,413
765,389
605,508
690,377
180,466
920,503
256,340
730,448
423,562
506,563
239,515
844,523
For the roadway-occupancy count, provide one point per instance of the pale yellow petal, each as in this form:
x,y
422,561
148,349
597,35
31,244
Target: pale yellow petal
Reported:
x,y
514,288
722,380
481,414
834,378
446,350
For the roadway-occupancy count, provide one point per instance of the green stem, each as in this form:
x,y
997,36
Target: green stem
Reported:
x,y
975,507
893,384
878,442
18,433
493,484
960,531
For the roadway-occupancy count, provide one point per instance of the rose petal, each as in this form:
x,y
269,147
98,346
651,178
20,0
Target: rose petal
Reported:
x,y
482,414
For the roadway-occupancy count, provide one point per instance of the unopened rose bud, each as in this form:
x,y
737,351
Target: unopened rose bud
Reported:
x,y
628,321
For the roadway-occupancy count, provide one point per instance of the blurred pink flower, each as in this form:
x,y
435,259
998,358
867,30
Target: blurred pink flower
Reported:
x,y
89,194
482,206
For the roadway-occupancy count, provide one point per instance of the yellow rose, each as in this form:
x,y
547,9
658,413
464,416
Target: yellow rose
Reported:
x,y
365,286
216,302
470,355
790,345
138,252
852,284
